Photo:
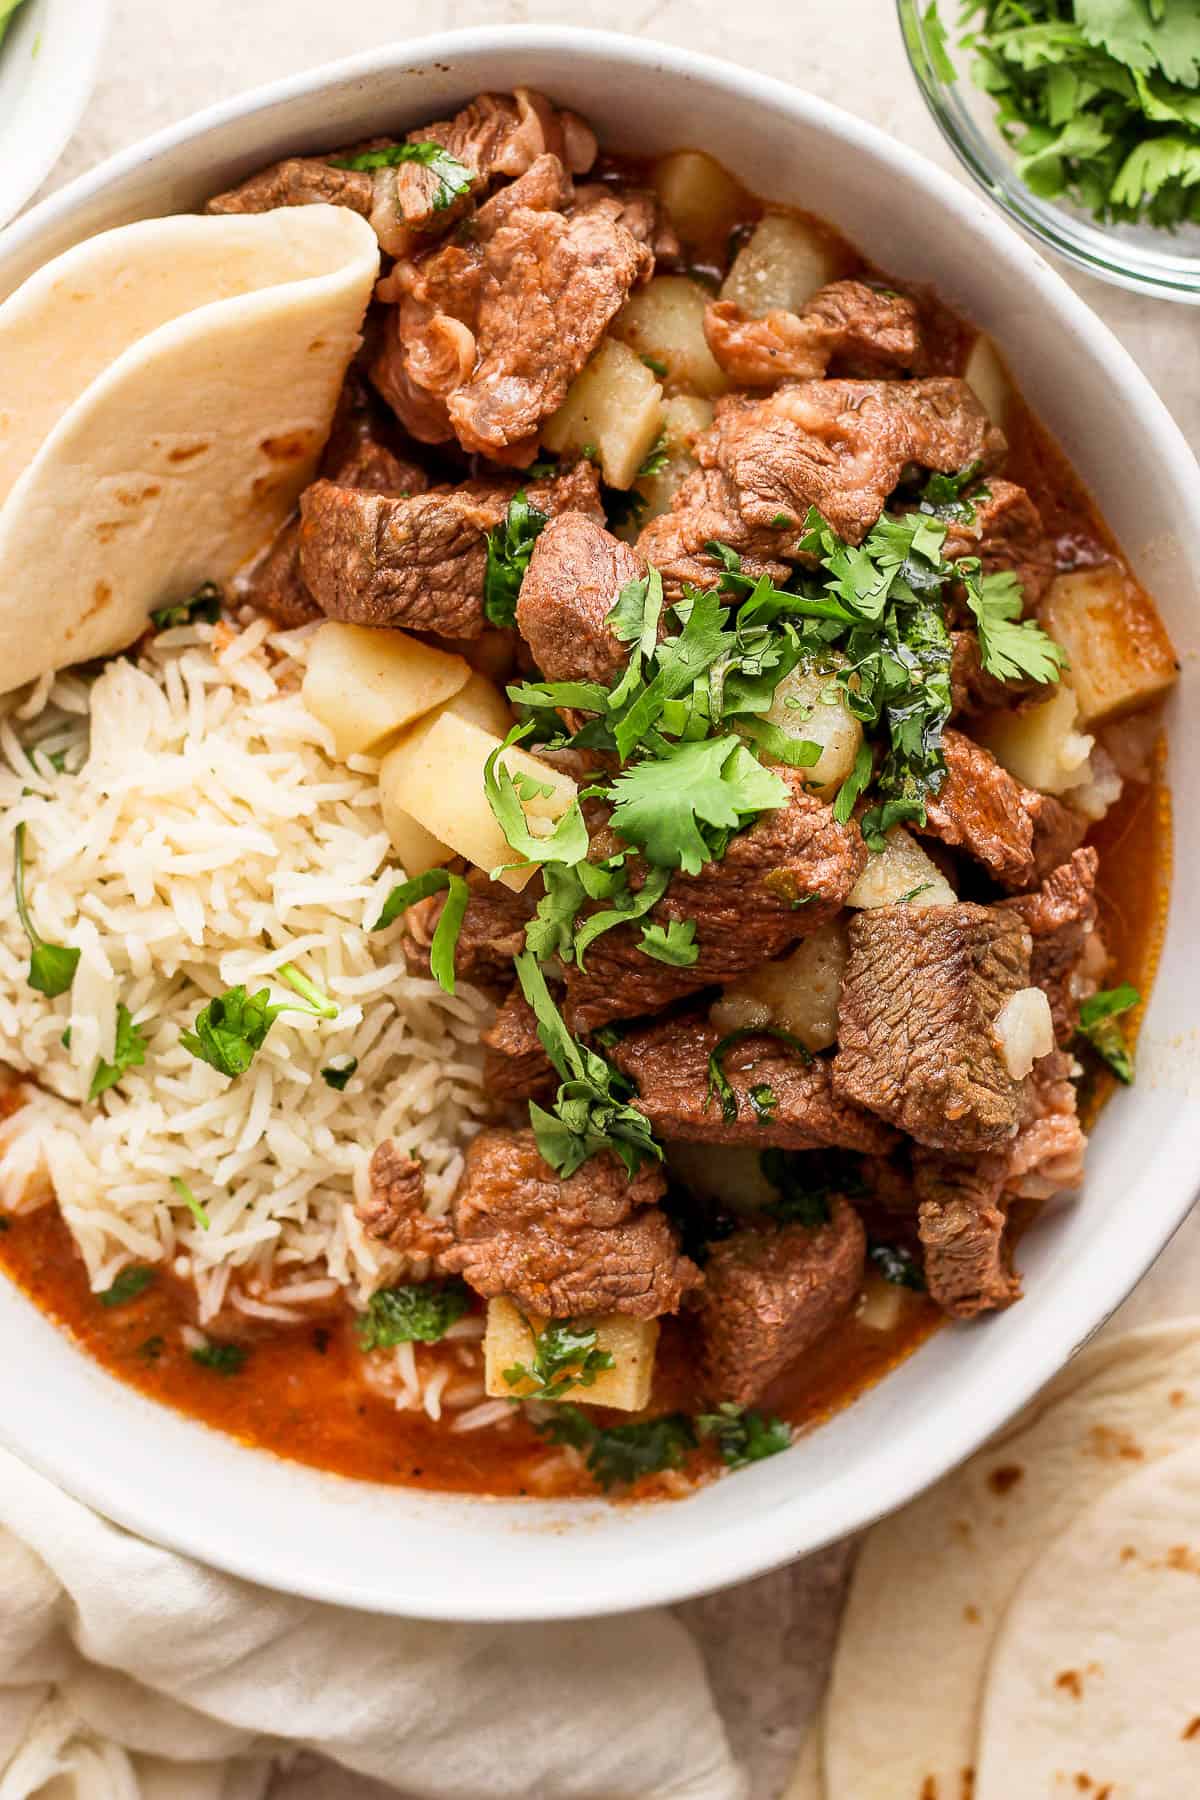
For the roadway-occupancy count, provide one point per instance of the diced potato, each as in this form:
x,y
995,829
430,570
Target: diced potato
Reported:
x,y
781,265
479,703
685,416
989,380
797,993
1120,654
631,1343
366,685
809,706
665,321
417,849
901,868
701,199
730,1174
436,777
613,410
883,1303
1041,745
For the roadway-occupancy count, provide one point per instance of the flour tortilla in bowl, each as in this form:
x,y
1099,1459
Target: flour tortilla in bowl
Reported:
x,y
163,445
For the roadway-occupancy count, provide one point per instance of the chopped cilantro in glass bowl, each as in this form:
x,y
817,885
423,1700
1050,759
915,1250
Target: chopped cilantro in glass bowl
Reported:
x,y
1081,119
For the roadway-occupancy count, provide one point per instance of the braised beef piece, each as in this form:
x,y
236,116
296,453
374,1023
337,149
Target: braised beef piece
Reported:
x,y
515,1066
865,331
594,1243
779,879
639,211
783,1099
916,1042
704,511
571,585
772,1292
492,932
975,690
961,1218
841,446
394,1208
1007,534
298,181
1058,831
1015,832
418,563
1046,1155
1061,917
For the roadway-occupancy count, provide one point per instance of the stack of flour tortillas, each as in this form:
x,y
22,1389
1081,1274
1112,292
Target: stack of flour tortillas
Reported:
x,y
165,392
1030,1628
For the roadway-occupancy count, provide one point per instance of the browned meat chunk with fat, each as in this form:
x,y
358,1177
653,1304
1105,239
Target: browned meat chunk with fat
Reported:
x,y
862,331
1061,918
781,878
1017,834
594,1243
1007,534
394,1208
961,1218
770,1294
571,585
299,181
782,1098
842,446
974,690
1058,831
916,1037
704,511
492,932
638,210
419,563
1046,1156
515,1065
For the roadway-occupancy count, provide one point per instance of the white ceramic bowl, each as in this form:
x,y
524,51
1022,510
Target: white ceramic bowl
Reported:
x,y
48,63
429,1556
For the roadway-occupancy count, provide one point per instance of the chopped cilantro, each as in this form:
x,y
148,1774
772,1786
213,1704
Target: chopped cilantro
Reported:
x,y
336,1075
565,1357
663,805
131,1281
445,934
453,178
507,795
51,966
656,366
231,1030
419,1312
620,1454
1098,1025
190,1201
129,1051
922,887
656,457
204,606
509,548
675,943
1010,647
897,1265
719,1085
743,1437
223,1359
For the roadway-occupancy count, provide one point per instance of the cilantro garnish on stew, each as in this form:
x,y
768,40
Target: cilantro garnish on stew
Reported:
x,y
132,1280
1098,1016
742,1436
453,178
445,934
509,548
420,1313
566,1356
202,607
221,1358
620,1454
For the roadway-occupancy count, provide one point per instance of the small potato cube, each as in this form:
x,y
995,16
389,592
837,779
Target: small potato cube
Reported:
x,y
796,993
509,1340
367,685
702,200
1042,745
480,703
807,705
685,416
901,868
435,776
781,265
417,849
728,1173
665,322
1121,657
989,380
883,1303
613,410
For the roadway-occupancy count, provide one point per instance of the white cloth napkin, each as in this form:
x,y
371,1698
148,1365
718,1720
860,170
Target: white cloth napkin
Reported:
x,y
130,1673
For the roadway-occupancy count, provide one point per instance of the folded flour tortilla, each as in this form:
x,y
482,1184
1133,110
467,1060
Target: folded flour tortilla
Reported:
x,y
167,388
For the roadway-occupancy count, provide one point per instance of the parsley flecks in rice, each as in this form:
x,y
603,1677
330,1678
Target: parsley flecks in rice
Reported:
x,y
206,840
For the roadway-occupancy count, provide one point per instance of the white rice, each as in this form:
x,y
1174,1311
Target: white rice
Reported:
x,y
203,834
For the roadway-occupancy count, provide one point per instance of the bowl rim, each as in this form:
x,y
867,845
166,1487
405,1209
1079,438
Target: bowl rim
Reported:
x,y
71,81
780,1533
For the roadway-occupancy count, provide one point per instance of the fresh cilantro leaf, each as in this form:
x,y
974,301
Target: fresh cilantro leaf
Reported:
x,y
129,1051
230,1031
223,1359
131,1281
855,783
656,366
452,177
674,943
509,548
629,906
202,607
719,1086
419,1312
897,1265
1098,1017
620,1454
336,1075
741,1436
51,966
656,457
764,1102
565,1357
445,933
190,1201
1010,647
662,806
636,612
566,842
922,887
1162,34
781,746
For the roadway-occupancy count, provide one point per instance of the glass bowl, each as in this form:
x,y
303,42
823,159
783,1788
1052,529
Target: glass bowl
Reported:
x,y
1147,259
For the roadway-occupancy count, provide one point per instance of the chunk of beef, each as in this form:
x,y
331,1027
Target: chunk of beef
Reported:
x,y
1058,831
782,1097
515,1066
704,511
865,331
781,878
771,1294
983,809
492,932
974,690
842,446
639,211
1061,917
1007,533
961,1218
1047,1153
298,181
545,187
594,1243
571,585
916,1019
393,1210
418,563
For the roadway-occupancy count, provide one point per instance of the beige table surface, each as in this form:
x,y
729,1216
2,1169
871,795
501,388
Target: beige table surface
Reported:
x,y
766,1642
